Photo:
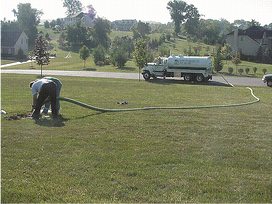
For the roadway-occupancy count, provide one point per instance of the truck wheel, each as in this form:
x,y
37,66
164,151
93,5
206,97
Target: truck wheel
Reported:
x,y
146,75
199,78
269,83
187,77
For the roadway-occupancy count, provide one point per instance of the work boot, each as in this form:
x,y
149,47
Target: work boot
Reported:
x,y
36,116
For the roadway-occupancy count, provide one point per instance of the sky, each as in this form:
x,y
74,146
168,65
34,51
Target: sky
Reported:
x,y
151,10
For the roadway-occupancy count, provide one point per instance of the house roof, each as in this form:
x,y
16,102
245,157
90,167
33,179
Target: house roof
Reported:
x,y
9,38
254,32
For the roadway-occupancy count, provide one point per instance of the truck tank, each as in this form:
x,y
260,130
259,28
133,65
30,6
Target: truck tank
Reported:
x,y
189,62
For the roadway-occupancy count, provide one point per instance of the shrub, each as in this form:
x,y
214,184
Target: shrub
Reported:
x,y
255,70
247,70
100,63
230,69
20,54
264,71
240,71
99,54
107,61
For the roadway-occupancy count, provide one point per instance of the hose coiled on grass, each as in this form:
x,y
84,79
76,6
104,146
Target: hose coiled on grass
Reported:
x,y
153,108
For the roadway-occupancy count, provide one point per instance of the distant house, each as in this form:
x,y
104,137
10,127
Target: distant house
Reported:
x,y
85,19
123,25
12,41
248,41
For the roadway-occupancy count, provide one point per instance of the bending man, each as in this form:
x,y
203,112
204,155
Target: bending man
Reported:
x,y
59,85
46,88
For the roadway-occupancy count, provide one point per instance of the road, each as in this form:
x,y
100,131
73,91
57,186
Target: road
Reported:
x,y
216,79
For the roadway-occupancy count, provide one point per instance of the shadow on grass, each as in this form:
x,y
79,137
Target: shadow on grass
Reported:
x,y
179,81
49,122
85,116
249,75
126,68
90,69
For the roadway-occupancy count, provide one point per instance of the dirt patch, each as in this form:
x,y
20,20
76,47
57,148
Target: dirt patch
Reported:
x,y
18,116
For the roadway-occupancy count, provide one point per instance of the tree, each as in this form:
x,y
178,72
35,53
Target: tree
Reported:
x,y
236,60
140,30
253,22
163,51
120,57
62,38
226,51
140,54
53,23
84,53
99,54
20,54
209,30
217,61
72,6
100,32
28,20
180,11
46,24
259,54
120,50
77,33
191,26
40,52
267,56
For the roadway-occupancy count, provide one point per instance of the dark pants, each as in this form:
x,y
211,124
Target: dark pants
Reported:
x,y
47,90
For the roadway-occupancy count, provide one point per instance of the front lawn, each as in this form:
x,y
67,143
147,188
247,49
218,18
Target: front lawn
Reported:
x,y
160,156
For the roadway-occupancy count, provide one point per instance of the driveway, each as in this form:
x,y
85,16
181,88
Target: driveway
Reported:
x,y
216,79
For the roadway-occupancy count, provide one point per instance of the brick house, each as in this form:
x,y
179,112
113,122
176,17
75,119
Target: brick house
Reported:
x,y
12,41
249,40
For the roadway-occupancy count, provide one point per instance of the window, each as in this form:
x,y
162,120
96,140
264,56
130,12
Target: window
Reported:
x,y
242,38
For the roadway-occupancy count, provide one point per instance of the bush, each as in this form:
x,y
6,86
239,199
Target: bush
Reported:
x,y
240,71
255,70
20,54
99,54
107,61
100,63
230,69
120,58
264,71
247,70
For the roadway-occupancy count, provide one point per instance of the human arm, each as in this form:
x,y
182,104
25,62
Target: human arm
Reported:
x,y
34,100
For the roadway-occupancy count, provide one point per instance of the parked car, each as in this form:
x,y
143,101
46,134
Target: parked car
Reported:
x,y
267,79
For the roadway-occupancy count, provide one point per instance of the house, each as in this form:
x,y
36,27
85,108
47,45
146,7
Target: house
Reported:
x,y
123,25
12,41
248,41
85,19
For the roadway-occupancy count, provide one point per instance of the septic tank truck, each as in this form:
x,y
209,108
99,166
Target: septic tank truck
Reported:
x,y
191,68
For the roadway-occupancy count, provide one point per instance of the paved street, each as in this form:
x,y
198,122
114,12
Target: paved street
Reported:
x,y
216,79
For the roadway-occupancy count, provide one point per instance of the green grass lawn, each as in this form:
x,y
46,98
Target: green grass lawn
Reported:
x,y
202,155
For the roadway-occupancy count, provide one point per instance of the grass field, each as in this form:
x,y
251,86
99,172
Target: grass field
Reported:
x,y
203,155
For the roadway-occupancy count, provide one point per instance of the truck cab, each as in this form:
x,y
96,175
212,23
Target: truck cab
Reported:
x,y
156,69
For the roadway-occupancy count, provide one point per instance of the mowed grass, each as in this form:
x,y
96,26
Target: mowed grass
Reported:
x,y
202,155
